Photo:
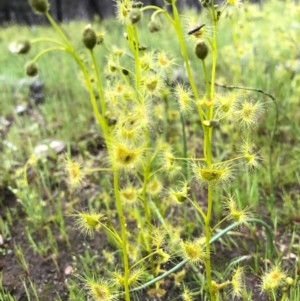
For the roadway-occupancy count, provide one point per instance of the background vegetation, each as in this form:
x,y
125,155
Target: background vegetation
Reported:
x,y
258,48
64,10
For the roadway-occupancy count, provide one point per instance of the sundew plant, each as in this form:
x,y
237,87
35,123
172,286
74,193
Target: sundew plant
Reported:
x,y
157,176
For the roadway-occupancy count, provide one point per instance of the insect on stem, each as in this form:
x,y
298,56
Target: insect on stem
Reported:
x,y
195,29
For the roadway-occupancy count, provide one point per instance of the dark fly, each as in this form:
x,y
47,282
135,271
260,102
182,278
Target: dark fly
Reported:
x,y
195,30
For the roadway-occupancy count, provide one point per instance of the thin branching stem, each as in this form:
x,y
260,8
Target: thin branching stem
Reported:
x,y
123,235
47,51
100,86
42,40
158,10
184,143
58,30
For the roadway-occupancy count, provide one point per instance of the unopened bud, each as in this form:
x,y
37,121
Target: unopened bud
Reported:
x,y
201,50
112,68
31,69
20,47
154,26
135,15
39,6
289,281
89,37
125,71
205,3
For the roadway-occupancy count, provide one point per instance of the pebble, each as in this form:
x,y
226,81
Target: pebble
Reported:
x,y
21,109
43,150
68,270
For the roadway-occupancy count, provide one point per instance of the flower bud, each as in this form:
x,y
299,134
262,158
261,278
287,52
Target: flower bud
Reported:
x,y
89,37
39,6
135,15
31,69
205,3
201,50
289,281
154,26
20,47
112,68
125,71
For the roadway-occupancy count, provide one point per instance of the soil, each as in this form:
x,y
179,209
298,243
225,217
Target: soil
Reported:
x,y
49,274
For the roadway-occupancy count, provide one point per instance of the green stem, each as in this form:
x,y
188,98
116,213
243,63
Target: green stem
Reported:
x,y
91,170
191,159
101,91
208,155
166,118
47,40
214,61
198,208
133,36
46,51
213,78
130,38
158,10
160,217
208,238
283,296
58,30
219,223
184,144
114,235
123,235
185,56
144,258
99,118
71,51
145,202
102,123
206,78
137,59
